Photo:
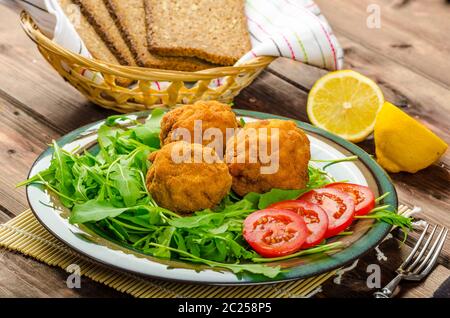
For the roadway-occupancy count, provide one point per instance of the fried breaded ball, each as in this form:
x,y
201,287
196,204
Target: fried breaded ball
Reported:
x,y
187,177
293,155
212,115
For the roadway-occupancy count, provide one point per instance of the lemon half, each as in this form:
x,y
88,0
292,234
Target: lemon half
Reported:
x,y
345,103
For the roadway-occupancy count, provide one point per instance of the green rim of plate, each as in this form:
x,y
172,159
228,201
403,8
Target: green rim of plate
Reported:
x,y
360,247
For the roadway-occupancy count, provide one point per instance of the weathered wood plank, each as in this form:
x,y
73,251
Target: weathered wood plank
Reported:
x,y
422,19
22,139
31,83
426,288
24,277
270,94
354,283
402,40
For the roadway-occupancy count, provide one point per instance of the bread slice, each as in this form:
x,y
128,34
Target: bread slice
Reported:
x,y
129,16
91,39
98,16
213,30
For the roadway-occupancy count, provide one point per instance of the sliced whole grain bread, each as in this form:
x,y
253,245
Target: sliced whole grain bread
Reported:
x,y
95,45
129,16
91,40
213,30
98,16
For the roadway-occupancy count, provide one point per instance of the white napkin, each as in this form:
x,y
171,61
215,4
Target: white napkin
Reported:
x,y
52,21
294,29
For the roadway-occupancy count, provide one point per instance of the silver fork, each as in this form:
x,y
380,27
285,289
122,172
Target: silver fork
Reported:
x,y
419,262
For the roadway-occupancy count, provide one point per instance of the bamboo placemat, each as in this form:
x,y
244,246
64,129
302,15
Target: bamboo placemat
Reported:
x,y
26,235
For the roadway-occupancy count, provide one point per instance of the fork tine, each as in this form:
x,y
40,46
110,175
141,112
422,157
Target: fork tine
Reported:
x,y
416,247
422,251
434,252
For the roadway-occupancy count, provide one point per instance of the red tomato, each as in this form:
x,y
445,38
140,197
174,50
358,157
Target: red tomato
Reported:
x,y
363,196
337,204
275,232
314,216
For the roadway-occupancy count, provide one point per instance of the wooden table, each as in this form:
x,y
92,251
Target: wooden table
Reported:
x,y
408,57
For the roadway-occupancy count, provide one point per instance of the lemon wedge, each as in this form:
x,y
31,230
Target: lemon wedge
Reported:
x,y
404,144
345,103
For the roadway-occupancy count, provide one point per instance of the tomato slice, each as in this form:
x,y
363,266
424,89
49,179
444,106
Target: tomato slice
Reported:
x,y
338,205
315,217
275,232
363,196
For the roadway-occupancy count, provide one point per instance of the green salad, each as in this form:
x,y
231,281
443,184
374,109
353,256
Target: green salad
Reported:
x,y
105,189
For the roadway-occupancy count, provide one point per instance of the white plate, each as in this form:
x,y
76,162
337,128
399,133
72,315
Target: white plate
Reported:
x,y
364,171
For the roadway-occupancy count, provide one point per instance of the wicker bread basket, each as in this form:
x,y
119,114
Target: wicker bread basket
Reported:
x,y
105,89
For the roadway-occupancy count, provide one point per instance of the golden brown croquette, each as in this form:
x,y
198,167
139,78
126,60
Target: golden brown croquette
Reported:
x,y
212,114
179,183
293,155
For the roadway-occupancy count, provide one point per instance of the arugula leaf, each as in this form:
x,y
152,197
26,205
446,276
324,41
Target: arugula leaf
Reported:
x,y
106,134
335,161
94,210
80,175
253,198
45,175
314,250
220,229
127,182
242,206
63,175
117,229
277,195
141,220
154,121
179,241
164,239
318,178
189,222
269,271
148,133
384,214
112,120
147,136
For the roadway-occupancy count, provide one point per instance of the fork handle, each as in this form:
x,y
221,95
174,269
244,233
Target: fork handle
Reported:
x,y
388,290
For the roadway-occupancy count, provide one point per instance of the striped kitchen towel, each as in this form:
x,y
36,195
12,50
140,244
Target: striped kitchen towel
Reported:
x,y
294,29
